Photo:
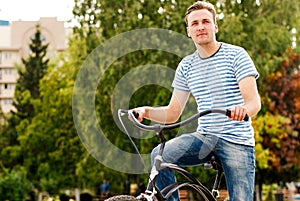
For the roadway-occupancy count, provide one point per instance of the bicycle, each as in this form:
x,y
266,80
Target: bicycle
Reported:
x,y
152,193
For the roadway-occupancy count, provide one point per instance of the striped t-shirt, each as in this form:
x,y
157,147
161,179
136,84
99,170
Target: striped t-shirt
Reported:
x,y
213,82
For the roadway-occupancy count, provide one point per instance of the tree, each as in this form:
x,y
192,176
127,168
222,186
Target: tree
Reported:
x,y
27,92
264,28
110,19
284,98
50,143
27,88
270,130
277,130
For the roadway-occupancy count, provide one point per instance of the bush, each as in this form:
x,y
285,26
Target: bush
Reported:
x,y
14,185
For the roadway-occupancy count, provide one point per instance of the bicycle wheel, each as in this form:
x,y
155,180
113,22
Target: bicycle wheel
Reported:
x,y
189,191
200,192
122,198
197,193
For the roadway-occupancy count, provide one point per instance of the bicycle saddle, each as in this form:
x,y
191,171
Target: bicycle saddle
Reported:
x,y
213,163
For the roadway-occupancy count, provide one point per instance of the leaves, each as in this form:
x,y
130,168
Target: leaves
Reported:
x,y
278,129
14,185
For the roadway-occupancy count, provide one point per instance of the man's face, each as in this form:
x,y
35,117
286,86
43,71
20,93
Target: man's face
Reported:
x,y
201,27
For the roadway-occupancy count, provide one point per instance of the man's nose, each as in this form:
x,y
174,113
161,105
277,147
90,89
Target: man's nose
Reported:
x,y
200,26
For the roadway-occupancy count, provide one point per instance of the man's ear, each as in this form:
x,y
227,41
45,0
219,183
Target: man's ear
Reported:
x,y
216,28
187,31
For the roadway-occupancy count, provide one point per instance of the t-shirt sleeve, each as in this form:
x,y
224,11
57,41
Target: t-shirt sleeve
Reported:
x,y
244,66
180,81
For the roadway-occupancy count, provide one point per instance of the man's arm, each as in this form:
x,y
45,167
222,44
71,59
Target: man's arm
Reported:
x,y
251,97
165,114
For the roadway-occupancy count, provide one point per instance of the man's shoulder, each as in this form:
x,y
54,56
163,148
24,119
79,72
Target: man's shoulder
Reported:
x,y
231,47
189,58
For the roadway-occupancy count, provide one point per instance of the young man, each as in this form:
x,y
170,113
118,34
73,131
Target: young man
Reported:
x,y
218,75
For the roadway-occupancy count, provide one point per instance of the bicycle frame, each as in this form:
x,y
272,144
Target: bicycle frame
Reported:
x,y
169,190
162,195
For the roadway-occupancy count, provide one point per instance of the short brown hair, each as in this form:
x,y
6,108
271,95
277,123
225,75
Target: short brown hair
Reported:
x,y
201,5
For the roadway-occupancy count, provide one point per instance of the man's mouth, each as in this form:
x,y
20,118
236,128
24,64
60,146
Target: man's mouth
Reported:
x,y
201,34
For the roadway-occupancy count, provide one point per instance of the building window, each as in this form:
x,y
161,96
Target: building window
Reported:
x,y
8,86
7,101
7,55
8,71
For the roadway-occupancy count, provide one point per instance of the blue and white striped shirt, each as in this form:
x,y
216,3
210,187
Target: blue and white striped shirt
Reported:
x,y
213,82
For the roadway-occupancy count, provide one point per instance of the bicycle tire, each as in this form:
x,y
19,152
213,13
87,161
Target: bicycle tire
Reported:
x,y
122,198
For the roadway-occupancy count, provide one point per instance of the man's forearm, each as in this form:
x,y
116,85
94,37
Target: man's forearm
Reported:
x,y
162,114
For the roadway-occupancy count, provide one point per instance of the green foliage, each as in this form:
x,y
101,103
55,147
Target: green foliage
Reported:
x,y
26,92
259,27
269,131
51,136
27,87
264,29
14,185
283,100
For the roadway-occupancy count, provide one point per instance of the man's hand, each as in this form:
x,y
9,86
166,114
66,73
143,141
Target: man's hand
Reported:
x,y
238,112
141,112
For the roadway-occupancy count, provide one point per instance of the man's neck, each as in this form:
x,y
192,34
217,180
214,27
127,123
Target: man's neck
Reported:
x,y
207,50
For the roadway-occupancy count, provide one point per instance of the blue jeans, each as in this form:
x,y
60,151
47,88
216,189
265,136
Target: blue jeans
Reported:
x,y
238,162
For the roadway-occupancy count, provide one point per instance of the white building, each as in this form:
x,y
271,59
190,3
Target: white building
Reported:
x,y
14,45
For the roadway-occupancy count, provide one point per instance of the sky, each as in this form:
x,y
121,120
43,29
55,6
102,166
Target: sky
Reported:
x,y
32,10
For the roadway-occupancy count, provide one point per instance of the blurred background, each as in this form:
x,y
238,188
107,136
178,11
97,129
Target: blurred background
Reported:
x,y
43,45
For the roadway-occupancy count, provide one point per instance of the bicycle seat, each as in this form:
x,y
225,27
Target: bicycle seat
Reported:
x,y
213,163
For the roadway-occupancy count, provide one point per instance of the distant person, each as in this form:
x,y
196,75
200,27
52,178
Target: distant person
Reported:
x,y
133,188
142,187
105,187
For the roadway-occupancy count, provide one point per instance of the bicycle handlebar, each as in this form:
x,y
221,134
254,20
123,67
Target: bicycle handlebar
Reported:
x,y
159,127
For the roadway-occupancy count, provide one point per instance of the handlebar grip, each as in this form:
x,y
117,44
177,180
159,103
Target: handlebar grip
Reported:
x,y
228,114
136,114
122,112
